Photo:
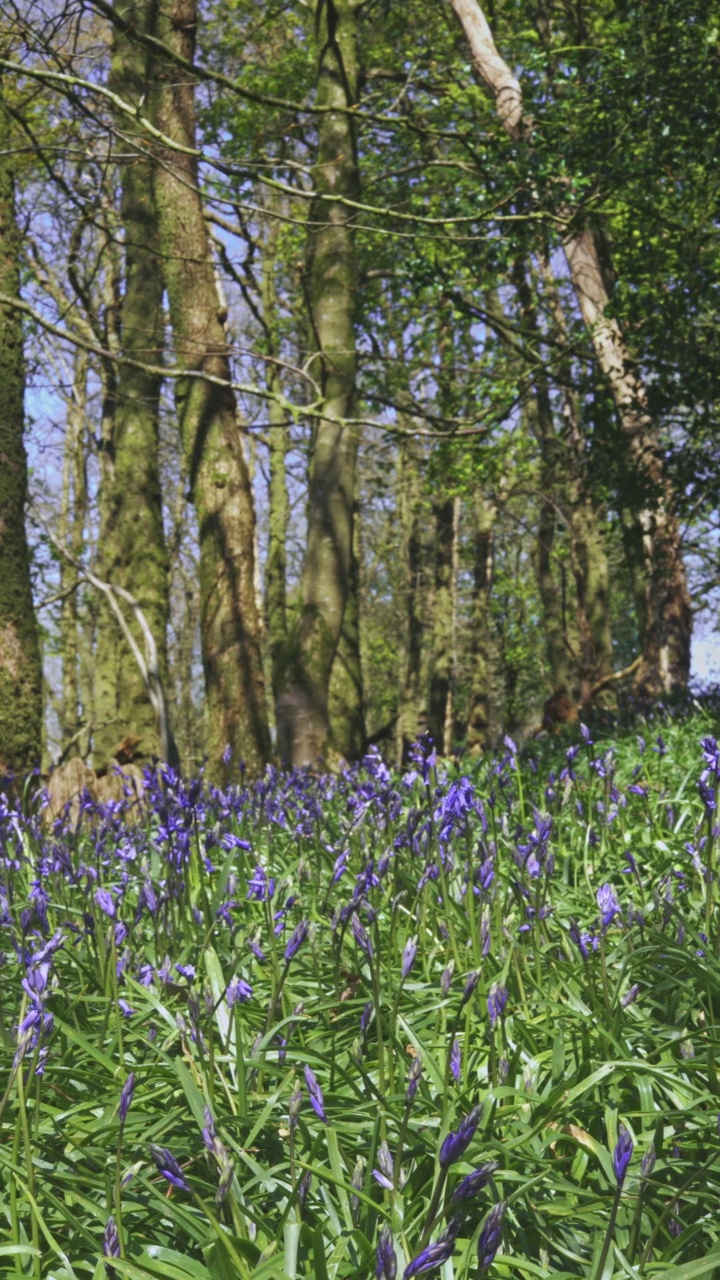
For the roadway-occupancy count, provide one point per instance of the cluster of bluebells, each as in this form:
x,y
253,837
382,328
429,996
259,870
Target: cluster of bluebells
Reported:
x,y
397,844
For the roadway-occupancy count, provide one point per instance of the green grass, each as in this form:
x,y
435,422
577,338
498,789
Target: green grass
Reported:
x,y
567,1062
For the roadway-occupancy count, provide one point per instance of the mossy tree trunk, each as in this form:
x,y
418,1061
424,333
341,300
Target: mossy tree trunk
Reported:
x,y
216,467
20,665
276,622
132,549
303,715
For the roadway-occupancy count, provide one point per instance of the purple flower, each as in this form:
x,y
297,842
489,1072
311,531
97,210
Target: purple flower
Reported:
x,y
455,1061
436,1253
126,1009
386,1167
186,971
386,1265
490,1236
414,1075
496,1002
622,1154
317,1101
259,887
470,984
238,992
365,1017
168,1166
630,996
106,902
360,935
296,939
126,1095
208,1133
111,1245
408,958
457,1143
608,903
474,1182
446,978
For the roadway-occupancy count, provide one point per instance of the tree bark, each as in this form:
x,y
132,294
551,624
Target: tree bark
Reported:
x,y
303,718
132,549
346,699
71,535
667,633
416,532
209,423
478,726
20,664
440,696
276,625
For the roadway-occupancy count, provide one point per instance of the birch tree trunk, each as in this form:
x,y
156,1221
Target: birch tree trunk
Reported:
x,y
209,423
20,664
132,549
303,718
668,624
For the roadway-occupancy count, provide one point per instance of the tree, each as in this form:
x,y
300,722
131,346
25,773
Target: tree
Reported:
x,y
207,410
132,550
303,716
666,618
20,668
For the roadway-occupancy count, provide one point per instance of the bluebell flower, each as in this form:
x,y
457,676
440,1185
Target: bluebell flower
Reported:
x,y
622,1154
106,902
435,1254
317,1101
296,940
238,992
608,903
470,984
473,1182
457,1143
496,1001
126,1095
408,957
360,935
111,1246
455,1061
414,1075
186,971
491,1235
446,978
168,1166
386,1167
386,1264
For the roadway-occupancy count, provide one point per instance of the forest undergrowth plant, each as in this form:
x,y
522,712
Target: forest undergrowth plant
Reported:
x,y
458,1020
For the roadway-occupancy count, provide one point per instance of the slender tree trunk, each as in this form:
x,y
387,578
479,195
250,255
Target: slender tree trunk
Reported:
x,y
71,535
485,515
132,549
442,628
209,422
20,664
346,699
279,507
303,719
668,618
415,553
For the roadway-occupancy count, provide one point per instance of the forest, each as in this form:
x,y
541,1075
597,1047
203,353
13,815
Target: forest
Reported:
x,y
358,369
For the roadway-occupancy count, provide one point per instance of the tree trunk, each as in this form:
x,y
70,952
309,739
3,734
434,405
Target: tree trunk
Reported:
x,y
71,535
667,632
20,665
132,550
278,504
346,700
478,726
415,531
587,548
209,423
303,719
445,530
